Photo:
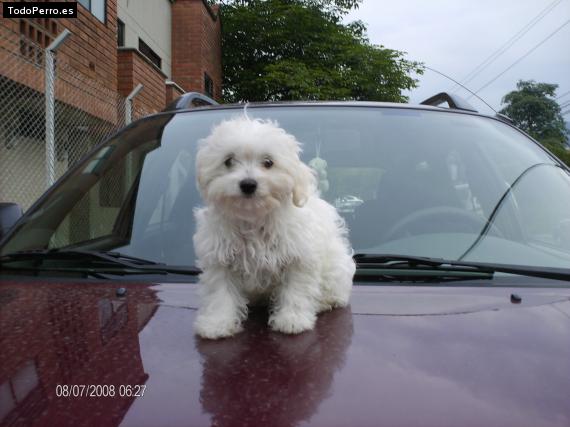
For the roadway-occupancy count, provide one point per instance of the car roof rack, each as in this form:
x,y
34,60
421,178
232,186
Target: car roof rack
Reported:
x,y
190,100
455,102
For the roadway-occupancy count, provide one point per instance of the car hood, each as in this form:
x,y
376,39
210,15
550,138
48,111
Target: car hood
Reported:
x,y
398,356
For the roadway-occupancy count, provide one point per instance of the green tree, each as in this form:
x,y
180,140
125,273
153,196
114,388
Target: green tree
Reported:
x,y
301,50
534,110
556,147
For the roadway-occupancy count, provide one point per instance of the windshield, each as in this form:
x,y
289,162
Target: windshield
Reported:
x,y
410,182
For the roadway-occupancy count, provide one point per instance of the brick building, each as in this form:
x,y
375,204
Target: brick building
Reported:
x,y
172,45
169,46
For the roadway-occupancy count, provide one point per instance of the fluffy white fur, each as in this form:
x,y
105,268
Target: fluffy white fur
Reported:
x,y
282,245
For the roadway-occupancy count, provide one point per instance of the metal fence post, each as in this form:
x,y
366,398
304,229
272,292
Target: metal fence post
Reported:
x,y
129,104
50,105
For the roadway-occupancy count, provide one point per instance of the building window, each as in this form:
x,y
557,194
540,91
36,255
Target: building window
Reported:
x,y
35,35
208,85
149,53
120,33
96,7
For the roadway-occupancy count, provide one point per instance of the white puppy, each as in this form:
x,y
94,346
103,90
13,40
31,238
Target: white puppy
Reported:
x,y
265,235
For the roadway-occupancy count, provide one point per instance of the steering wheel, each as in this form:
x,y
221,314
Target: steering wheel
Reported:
x,y
441,215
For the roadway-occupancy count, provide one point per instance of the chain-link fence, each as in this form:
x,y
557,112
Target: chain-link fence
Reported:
x,y
85,113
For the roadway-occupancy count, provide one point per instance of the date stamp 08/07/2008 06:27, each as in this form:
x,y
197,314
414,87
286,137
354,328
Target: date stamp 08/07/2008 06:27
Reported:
x,y
100,390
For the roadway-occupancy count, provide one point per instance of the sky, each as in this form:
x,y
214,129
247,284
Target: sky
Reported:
x,y
456,36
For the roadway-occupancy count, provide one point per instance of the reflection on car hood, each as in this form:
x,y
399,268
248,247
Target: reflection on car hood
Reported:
x,y
398,356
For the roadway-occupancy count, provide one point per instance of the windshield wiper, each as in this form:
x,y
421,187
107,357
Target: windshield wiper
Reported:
x,y
414,268
389,261
99,261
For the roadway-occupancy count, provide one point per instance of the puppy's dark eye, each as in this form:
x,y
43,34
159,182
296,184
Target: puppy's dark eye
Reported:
x,y
267,163
229,162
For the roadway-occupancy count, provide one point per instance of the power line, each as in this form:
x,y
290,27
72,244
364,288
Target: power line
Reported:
x,y
523,56
456,82
563,95
509,43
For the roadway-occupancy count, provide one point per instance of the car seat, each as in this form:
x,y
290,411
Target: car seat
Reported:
x,y
402,191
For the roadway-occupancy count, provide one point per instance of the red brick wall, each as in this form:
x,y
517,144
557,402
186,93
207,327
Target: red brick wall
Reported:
x,y
89,70
86,61
133,69
196,45
172,93
92,51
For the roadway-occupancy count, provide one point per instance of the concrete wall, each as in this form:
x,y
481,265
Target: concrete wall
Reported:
x,y
151,21
28,164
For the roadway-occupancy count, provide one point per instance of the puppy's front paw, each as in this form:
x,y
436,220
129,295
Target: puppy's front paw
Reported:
x,y
213,327
290,322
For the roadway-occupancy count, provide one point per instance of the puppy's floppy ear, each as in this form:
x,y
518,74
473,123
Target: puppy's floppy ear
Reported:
x,y
202,157
305,184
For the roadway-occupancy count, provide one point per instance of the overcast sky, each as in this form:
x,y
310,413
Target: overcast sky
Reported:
x,y
455,36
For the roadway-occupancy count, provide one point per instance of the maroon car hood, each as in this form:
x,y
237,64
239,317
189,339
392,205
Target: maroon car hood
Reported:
x,y
399,356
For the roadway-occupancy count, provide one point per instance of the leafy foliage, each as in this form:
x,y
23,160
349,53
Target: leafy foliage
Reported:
x,y
558,149
301,50
534,110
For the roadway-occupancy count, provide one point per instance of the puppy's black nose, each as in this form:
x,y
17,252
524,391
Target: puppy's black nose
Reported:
x,y
248,186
